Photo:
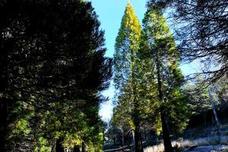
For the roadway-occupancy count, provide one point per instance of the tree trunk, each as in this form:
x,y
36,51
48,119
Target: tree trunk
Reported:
x,y
215,114
122,137
4,77
165,131
138,142
133,137
76,149
114,140
3,124
59,146
83,147
136,120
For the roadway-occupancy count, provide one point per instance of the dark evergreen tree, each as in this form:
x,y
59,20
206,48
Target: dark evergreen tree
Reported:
x,y
52,71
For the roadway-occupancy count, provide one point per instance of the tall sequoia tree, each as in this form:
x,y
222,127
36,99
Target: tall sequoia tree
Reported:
x,y
52,70
160,45
125,67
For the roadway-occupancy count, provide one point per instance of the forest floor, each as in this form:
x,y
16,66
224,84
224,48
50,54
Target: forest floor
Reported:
x,y
199,140
221,148
208,144
204,139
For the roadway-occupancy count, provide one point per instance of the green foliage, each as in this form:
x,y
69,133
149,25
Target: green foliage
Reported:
x,y
127,44
125,74
71,140
126,48
198,94
98,145
158,43
22,127
136,76
42,145
52,72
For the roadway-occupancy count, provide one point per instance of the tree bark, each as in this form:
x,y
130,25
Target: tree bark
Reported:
x,y
59,146
165,130
133,137
122,137
114,140
4,77
138,142
83,147
136,120
76,149
215,114
3,124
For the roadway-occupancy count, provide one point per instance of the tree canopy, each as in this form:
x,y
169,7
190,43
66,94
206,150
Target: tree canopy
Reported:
x,y
52,71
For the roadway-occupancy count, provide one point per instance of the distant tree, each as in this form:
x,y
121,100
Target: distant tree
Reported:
x,y
202,32
160,46
52,71
198,92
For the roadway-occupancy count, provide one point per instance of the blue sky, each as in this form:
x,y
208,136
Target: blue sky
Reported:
x,y
110,13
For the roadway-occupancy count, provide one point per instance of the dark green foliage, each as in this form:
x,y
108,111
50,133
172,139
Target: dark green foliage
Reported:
x,y
52,69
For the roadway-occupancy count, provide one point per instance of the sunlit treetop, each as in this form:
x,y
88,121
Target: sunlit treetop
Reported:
x,y
130,27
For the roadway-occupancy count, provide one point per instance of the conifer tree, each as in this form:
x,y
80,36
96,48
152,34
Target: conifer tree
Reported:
x,y
52,69
125,68
160,45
